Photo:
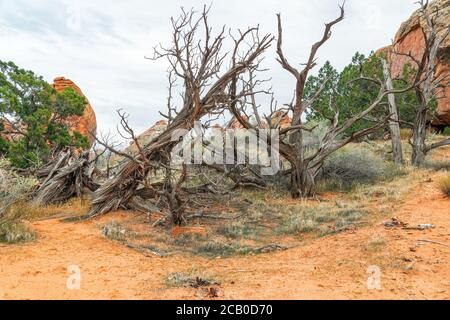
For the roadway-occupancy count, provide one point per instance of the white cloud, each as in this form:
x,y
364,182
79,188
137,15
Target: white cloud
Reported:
x,y
101,44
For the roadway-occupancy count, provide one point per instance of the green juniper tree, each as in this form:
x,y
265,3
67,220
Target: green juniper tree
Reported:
x,y
33,117
349,97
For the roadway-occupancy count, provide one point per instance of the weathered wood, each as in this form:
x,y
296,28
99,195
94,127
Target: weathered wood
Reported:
x,y
67,176
199,69
394,125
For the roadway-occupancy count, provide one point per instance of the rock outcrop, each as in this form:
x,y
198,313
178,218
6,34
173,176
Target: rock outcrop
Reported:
x,y
147,136
410,39
87,122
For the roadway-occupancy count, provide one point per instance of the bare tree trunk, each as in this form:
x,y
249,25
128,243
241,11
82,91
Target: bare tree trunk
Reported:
x,y
418,138
394,126
302,182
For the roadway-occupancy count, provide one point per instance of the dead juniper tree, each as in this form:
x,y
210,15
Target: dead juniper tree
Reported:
x,y
428,83
68,174
394,121
197,59
306,167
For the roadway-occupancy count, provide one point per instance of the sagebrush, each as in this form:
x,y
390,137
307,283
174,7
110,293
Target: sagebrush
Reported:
x,y
13,187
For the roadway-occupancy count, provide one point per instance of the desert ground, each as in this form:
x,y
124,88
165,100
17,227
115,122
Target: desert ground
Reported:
x,y
413,264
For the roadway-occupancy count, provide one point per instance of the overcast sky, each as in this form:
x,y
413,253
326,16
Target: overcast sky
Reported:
x,y
101,44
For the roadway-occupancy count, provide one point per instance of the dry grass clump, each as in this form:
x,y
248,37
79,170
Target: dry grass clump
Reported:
x,y
405,133
238,230
194,278
320,219
444,184
376,243
15,232
29,211
114,231
218,248
13,187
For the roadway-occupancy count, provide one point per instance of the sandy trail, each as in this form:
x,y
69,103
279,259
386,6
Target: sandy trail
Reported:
x,y
326,268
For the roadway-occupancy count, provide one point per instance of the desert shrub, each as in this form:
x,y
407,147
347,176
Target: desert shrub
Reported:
x,y
446,131
298,223
319,219
444,185
13,187
237,230
193,278
352,215
351,166
114,230
436,165
187,238
15,232
217,248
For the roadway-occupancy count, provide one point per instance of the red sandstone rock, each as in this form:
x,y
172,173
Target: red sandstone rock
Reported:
x,y
410,39
281,119
85,123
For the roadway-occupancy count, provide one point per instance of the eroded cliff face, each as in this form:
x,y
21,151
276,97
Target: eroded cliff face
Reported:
x,y
87,122
410,39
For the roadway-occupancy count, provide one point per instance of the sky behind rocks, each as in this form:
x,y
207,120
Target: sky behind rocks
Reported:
x,y
101,44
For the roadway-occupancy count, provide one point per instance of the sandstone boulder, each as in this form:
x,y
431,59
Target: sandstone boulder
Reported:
x,y
147,136
85,123
410,39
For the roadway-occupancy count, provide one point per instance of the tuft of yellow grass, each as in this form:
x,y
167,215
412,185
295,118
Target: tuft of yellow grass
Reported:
x,y
405,133
28,211
444,184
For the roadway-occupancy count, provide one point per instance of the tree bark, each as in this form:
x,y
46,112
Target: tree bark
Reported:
x,y
394,126
418,138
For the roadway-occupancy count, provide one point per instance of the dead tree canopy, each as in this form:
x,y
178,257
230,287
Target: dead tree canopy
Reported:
x,y
305,167
198,60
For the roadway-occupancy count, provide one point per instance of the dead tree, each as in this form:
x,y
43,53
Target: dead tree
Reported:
x,y
67,175
428,81
305,168
198,61
394,123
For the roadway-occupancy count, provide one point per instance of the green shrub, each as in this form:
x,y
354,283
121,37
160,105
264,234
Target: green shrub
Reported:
x,y
350,166
320,219
446,131
436,165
